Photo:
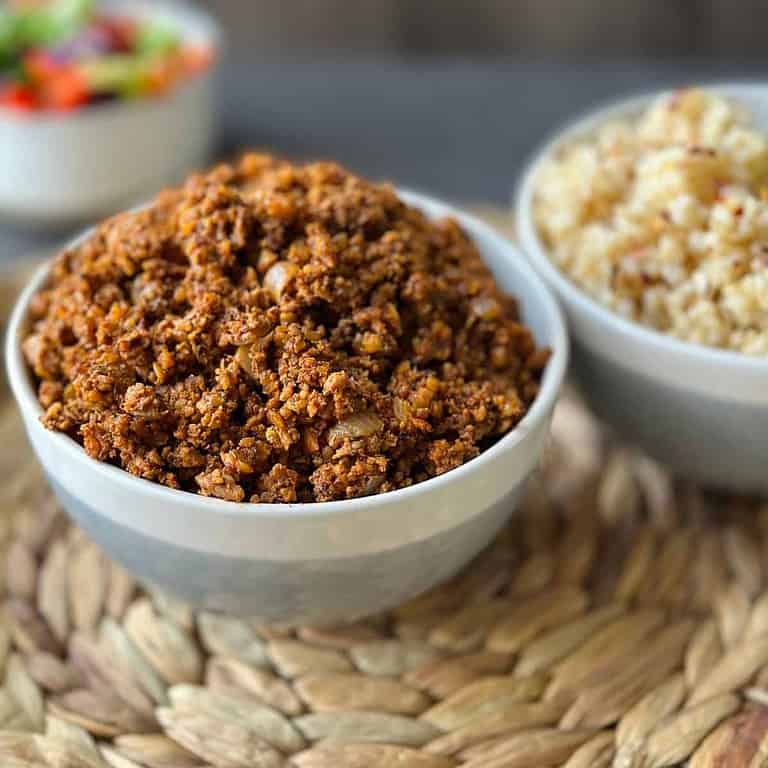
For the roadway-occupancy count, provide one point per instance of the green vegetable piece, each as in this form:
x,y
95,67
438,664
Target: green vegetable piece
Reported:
x,y
122,74
53,23
156,37
8,35
7,29
72,11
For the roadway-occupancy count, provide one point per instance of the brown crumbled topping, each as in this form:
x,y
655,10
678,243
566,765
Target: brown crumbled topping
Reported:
x,y
273,333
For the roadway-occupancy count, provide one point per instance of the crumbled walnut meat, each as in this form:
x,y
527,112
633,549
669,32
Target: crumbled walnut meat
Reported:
x,y
280,334
277,486
348,477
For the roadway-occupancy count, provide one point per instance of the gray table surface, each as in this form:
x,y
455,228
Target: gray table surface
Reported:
x,y
460,129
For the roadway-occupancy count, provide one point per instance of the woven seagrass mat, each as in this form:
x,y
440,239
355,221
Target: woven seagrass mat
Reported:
x,y
621,619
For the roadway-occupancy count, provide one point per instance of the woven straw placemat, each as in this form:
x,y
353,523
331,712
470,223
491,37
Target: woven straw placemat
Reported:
x,y
619,620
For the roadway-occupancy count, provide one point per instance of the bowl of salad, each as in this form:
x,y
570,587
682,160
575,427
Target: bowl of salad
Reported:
x,y
101,103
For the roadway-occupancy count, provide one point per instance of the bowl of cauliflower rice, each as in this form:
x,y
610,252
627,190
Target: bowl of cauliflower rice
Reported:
x,y
649,219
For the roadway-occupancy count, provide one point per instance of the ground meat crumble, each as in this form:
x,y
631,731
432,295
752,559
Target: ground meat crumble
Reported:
x,y
273,333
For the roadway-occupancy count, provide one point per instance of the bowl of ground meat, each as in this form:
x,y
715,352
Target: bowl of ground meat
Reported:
x,y
649,219
286,391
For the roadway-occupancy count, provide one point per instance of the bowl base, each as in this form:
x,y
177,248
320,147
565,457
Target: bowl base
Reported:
x,y
302,591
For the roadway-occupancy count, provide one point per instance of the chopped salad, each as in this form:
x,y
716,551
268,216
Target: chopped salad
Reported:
x,y
67,54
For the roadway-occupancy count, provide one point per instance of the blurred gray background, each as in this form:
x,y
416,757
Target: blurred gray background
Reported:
x,y
496,27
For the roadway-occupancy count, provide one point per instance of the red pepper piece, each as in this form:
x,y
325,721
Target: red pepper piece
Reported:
x,y
65,91
197,58
18,97
120,32
40,65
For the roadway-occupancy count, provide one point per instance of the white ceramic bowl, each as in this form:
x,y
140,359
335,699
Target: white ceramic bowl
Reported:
x,y
314,562
57,168
702,411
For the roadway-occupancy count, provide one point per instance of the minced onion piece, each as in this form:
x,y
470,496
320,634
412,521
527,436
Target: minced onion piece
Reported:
x,y
357,425
485,307
278,276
